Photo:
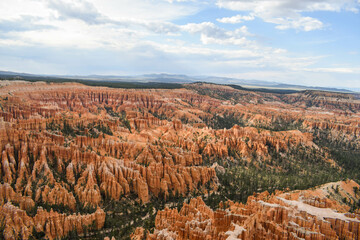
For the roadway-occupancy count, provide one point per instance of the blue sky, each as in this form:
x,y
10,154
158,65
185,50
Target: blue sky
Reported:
x,y
309,42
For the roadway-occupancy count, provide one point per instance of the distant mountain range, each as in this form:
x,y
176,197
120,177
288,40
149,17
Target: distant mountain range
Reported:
x,y
169,78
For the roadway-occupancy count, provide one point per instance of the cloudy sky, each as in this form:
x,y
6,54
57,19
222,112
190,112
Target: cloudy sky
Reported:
x,y
311,42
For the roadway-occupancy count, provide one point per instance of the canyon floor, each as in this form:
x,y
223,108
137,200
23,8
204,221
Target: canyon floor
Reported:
x,y
202,161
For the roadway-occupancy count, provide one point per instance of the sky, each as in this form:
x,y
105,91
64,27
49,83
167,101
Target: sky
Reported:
x,y
308,42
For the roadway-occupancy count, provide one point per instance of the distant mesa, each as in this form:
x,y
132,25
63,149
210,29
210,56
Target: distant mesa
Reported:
x,y
168,78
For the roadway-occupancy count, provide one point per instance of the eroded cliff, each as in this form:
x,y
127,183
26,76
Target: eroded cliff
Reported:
x,y
307,214
69,151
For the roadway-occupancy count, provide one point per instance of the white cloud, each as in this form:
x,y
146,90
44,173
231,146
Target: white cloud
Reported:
x,y
86,23
334,70
172,1
300,23
147,10
141,36
205,28
219,49
23,23
14,9
212,34
287,7
236,19
160,27
288,13
80,9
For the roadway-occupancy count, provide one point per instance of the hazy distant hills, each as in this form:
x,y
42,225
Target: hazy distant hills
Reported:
x,y
168,78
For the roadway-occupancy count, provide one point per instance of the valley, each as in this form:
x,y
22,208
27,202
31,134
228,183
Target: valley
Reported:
x,y
199,161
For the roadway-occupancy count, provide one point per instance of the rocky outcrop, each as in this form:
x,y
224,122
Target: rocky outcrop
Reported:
x,y
15,222
56,225
18,225
278,216
138,234
323,99
7,194
58,195
70,147
87,188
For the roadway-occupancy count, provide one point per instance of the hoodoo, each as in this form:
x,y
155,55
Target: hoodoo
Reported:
x,y
95,162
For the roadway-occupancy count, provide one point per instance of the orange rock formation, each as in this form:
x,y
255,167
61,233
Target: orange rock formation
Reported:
x,y
71,146
305,214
